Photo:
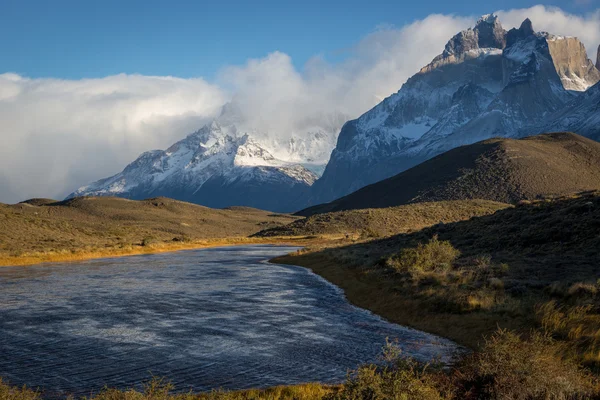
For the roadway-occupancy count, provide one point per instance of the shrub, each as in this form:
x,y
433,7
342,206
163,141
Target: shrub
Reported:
x,y
14,393
509,367
496,283
582,289
433,256
411,382
148,240
396,378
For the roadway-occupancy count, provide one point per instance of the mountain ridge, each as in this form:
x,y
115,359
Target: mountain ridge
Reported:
x,y
487,82
223,165
466,94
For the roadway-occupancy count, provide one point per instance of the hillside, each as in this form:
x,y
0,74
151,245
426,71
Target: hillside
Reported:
x,y
503,170
107,223
377,222
533,265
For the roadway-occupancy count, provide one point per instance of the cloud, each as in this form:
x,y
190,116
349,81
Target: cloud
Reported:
x,y
57,134
273,95
60,134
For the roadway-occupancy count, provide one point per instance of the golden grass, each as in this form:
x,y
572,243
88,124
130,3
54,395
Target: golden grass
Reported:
x,y
510,262
161,389
162,247
380,222
369,289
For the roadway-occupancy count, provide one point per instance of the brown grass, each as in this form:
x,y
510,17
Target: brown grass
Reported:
x,y
509,263
380,222
162,389
44,230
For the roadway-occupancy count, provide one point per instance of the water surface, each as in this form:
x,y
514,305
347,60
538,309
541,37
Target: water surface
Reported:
x,y
210,318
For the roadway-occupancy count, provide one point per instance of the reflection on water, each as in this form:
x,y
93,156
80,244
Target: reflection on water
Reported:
x,y
211,318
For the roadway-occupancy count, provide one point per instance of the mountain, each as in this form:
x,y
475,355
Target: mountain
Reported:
x,y
503,170
486,83
582,115
224,165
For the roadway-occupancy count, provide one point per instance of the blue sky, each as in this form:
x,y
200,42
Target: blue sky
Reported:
x,y
76,39
282,63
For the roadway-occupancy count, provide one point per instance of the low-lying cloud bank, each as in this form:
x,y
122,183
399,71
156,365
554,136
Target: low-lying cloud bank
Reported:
x,y
60,134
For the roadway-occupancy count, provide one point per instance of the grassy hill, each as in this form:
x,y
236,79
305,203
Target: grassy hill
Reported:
x,y
536,265
40,227
378,222
503,170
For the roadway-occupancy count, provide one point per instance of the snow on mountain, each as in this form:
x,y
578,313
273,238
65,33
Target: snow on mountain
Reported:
x,y
224,164
487,82
581,115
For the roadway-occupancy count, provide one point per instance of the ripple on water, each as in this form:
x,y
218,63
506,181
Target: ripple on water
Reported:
x,y
205,319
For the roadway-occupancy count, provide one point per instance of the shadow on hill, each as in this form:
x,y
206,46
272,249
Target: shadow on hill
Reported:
x,y
546,240
517,269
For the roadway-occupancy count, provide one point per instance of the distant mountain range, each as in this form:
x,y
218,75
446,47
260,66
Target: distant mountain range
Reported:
x,y
488,82
223,164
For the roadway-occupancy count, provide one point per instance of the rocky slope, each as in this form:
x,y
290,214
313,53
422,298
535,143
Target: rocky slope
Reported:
x,y
582,115
503,170
224,165
487,82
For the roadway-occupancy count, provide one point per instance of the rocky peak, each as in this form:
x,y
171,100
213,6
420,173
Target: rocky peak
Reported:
x,y
490,32
524,31
598,59
487,33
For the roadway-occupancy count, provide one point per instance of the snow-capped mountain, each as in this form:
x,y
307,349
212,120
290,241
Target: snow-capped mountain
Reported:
x,y
581,115
224,165
487,82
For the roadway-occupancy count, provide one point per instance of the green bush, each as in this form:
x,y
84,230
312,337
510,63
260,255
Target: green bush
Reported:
x,y
433,256
411,382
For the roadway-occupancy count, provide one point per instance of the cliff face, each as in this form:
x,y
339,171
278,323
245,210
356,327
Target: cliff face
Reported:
x,y
598,59
572,64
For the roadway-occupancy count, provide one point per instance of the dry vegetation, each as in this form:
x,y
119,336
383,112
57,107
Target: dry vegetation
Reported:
x,y
520,287
46,230
379,222
506,367
533,266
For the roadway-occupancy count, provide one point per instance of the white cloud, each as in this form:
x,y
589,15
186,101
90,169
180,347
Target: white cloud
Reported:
x,y
60,134
57,134
273,95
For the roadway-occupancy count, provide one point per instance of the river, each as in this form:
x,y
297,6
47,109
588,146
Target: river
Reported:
x,y
205,319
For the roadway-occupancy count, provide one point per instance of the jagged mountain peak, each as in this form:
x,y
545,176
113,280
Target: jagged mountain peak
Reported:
x,y
227,162
524,31
598,58
487,37
486,83
487,33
